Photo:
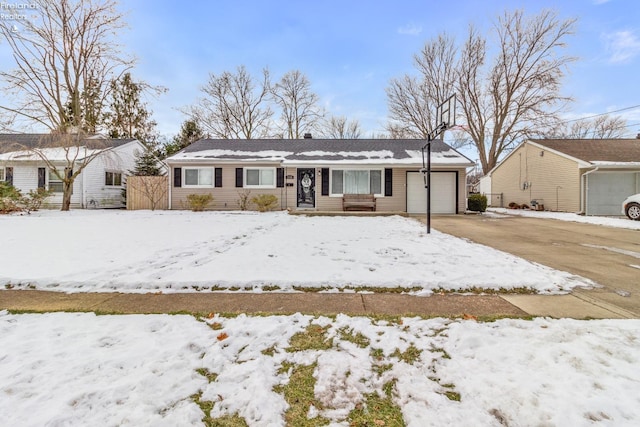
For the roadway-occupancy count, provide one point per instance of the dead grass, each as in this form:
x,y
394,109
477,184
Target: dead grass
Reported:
x,y
300,396
410,355
358,339
313,338
226,421
377,410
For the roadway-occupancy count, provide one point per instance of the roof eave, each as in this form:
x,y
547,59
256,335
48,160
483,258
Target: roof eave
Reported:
x,y
581,163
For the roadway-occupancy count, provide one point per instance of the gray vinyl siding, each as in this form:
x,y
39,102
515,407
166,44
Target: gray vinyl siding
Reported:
x,y
227,197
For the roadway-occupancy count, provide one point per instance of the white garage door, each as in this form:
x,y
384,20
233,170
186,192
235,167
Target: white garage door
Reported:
x,y
607,190
443,192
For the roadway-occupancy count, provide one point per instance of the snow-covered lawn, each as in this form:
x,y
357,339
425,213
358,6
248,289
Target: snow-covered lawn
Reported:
x,y
146,370
621,222
142,251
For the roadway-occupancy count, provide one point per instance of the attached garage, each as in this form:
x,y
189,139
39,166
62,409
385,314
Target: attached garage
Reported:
x,y
605,191
444,195
319,174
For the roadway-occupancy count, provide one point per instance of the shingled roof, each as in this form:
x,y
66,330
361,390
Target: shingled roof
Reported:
x,y
20,141
312,150
595,150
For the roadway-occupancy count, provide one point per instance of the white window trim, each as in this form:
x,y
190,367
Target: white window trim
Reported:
x,y
184,177
114,185
381,194
244,177
56,180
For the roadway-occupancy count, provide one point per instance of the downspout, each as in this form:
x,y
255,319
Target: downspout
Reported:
x,y
583,191
283,189
83,202
170,178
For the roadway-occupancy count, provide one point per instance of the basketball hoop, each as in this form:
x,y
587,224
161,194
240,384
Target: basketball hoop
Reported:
x,y
445,119
463,128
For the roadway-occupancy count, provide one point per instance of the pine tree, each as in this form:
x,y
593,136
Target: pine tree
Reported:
x,y
147,164
128,116
189,133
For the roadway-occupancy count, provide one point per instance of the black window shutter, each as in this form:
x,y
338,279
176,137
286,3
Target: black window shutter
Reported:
x,y
280,177
8,175
388,182
68,172
177,177
42,173
239,173
325,181
218,173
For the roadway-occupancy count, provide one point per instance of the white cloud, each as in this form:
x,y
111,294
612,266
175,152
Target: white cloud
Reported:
x,y
410,29
622,46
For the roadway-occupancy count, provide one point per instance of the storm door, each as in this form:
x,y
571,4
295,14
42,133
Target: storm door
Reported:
x,y
306,183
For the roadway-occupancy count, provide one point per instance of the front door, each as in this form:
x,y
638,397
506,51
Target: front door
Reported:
x,y
306,184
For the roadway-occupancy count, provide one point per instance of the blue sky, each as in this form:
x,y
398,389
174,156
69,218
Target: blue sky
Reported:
x,y
350,49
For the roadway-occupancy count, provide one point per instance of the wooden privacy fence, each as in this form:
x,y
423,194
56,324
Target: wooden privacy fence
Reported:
x,y
147,192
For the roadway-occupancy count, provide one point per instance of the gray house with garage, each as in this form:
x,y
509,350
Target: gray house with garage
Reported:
x,y
317,174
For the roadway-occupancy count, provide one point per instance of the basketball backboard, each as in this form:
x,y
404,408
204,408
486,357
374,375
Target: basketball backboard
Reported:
x,y
446,113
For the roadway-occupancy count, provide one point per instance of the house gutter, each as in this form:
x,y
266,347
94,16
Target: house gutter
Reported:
x,y
583,190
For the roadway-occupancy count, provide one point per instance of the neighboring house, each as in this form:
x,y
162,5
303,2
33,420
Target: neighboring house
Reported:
x,y
591,176
314,174
99,185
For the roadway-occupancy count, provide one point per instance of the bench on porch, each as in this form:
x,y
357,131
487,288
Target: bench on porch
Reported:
x,y
358,202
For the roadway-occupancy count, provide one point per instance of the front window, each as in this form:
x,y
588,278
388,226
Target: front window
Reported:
x,y
198,177
3,177
356,181
113,178
260,177
55,182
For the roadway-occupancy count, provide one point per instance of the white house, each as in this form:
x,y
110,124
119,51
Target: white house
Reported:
x,y
100,183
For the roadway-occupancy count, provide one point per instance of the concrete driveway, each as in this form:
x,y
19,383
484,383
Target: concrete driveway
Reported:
x,y
608,256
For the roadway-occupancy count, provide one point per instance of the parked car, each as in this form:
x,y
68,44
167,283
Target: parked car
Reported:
x,y
631,207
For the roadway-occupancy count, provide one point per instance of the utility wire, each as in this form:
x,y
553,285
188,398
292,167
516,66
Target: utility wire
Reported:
x,y
601,114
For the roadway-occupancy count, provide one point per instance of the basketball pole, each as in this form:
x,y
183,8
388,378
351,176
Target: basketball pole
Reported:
x,y
439,129
427,170
429,186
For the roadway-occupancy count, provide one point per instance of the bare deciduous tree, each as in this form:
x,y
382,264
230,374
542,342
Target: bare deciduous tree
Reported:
x,y
502,99
339,127
298,104
233,107
412,100
65,59
520,93
600,127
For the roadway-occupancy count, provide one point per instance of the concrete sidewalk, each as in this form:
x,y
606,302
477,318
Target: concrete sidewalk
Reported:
x,y
572,306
